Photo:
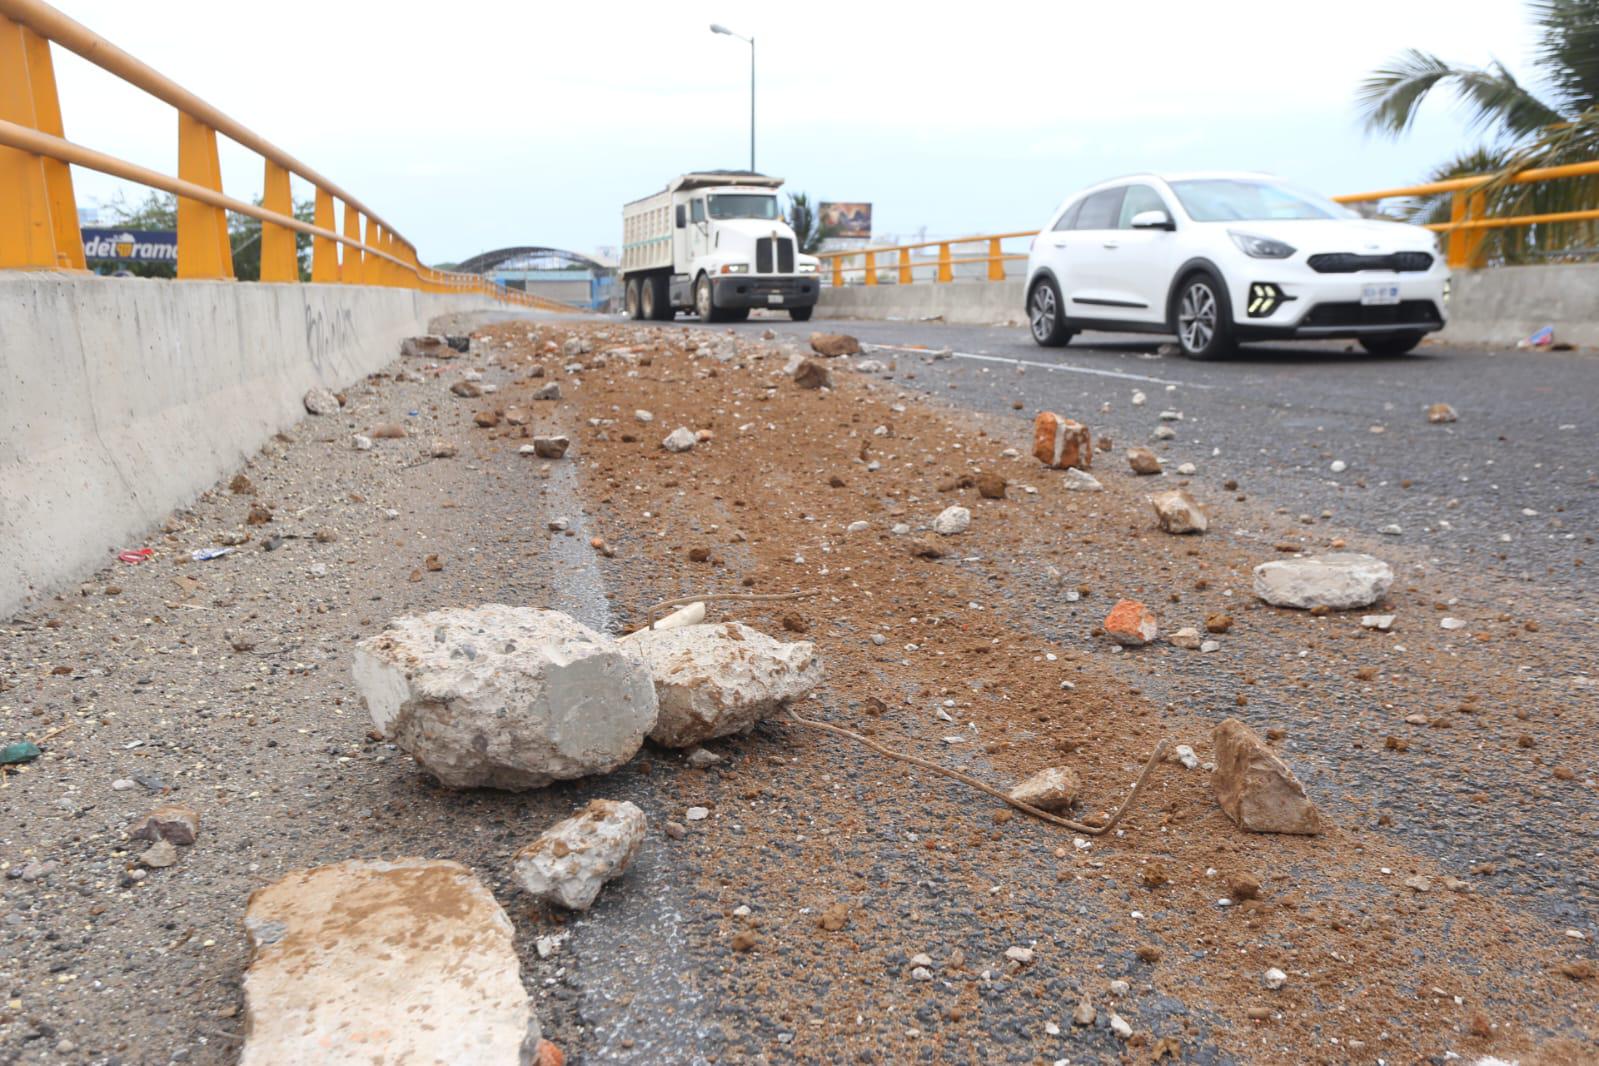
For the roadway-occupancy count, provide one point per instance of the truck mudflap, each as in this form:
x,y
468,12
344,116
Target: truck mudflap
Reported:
x,y
745,290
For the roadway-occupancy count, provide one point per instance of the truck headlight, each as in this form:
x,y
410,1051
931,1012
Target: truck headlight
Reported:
x,y
1260,247
807,268
735,268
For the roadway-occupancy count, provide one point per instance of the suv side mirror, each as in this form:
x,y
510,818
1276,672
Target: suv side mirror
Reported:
x,y
682,216
1153,220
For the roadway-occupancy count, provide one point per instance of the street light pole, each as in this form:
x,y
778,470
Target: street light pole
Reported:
x,y
719,28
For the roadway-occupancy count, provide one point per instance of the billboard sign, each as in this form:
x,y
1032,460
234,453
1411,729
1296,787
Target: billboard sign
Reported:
x,y
130,245
848,221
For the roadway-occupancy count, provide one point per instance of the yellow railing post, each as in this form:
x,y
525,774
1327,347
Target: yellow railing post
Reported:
x,y
324,252
946,271
905,266
350,272
39,224
838,271
996,264
203,247
278,259
871,268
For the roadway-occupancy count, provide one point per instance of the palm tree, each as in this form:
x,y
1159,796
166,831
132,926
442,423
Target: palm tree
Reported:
x,y
1522,128
806,224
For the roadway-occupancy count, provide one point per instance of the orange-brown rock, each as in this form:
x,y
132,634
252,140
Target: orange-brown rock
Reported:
x,y
1060,443
1255,788
1131,623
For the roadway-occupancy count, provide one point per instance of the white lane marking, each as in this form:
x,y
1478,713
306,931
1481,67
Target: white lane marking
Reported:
x,y
1043,366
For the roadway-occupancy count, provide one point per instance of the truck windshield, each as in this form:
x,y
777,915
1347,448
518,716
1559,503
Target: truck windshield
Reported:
x,y
742,205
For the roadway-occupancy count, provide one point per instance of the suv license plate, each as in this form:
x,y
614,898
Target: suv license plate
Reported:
x,y
1379,295
774,297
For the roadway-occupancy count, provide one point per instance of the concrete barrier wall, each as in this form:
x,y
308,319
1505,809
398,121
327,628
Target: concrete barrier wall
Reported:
x,y
122,398
1494,307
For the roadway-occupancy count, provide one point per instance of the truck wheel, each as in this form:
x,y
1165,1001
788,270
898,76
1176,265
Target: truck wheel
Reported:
x,y
631,300
705,301
800,314
653,301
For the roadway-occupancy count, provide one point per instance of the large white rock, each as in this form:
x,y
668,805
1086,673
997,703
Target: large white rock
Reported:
x,y
952,520
681,439
714,680
569,862
1339,581
505,697
369,962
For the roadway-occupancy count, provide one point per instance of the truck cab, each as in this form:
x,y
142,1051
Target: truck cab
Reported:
x,y
720,249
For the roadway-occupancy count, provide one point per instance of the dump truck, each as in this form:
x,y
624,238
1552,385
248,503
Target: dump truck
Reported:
x,y
714,243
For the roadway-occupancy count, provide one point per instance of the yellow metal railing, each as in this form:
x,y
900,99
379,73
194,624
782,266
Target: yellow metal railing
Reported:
x,y
39,223
895,263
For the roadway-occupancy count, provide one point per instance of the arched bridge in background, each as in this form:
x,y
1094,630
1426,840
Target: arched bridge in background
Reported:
x,y
552,273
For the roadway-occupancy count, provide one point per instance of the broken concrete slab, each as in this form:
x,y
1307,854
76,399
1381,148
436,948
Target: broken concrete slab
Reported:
x,y
715,680
368,961
571,860
505,697
1255,788
1339,581
427,346
320,401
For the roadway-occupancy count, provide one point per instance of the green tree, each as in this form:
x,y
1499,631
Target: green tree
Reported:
x,y
806,224
244,234
157,211
1521,128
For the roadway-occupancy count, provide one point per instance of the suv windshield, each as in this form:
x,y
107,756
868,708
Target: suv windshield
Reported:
x,y
1230,200
742,205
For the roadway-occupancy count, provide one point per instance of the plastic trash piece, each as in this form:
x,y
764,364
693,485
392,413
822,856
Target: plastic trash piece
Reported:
x,y
20,752
135,556
205,555
1541,339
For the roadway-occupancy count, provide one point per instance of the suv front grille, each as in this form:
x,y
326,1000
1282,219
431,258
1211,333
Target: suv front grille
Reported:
x,y
1404,313
1350,263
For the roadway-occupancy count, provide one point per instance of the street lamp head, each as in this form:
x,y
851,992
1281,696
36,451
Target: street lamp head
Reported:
x,y
717,27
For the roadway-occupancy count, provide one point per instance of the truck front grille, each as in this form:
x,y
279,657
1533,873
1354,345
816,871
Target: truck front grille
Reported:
x,y
764,255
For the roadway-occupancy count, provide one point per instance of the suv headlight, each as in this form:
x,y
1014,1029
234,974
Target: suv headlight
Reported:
x,y
735,268
1260,247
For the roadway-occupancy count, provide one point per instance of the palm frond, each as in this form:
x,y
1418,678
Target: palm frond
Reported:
x,y
1496,99
1568,50
1391,96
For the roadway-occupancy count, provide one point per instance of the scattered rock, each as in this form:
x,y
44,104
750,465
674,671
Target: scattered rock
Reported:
x,y
369,961
160,855
1130,623
505,697
834,918
427,346
1052,789
924,548
486,419
1085,1014
1382,622
1143,461
833,345
550,447
259,515
643,416
443,449
1338,581
952,520
1178,512
1218,622
991,486
701,758
241,486
1081,481
812,375
1119,1026
1275,979
1441,412
569,862
1024,956
548,391
681,439
467,389
714,680
517,416
172,822
1255,788
1186,638
696,814
361,443
1061,443
1243,886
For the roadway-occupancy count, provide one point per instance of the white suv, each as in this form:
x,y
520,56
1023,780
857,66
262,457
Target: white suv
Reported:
x,y
1222,258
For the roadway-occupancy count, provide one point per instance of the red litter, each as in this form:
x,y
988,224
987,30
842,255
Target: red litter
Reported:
x,y
135,555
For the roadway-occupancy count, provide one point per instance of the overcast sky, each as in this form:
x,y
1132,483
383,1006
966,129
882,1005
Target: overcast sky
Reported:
x,y
478,124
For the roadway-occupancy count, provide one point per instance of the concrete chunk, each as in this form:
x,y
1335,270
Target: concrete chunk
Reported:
x,y
1340,580
714,680
368,962
569,862
1255,788
505,697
